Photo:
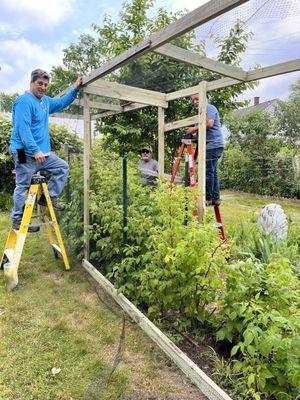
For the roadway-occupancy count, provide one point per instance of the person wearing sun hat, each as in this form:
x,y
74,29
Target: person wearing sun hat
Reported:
x,y
148,166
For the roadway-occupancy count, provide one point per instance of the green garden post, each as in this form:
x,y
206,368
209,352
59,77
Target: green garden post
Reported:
x,y
124,201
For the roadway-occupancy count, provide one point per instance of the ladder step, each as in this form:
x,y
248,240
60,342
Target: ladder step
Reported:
x,y
38,216
9,254
40,224
57,248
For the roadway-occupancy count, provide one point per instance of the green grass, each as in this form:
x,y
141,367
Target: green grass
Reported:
x,y
56,320
243,207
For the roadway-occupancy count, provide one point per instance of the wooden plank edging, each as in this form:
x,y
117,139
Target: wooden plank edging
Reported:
x,y
207,386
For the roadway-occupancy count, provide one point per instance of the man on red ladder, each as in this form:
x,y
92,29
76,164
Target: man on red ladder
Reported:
x,y
214,150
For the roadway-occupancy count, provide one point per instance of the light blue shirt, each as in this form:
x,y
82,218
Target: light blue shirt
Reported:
x,y
30,121
214,136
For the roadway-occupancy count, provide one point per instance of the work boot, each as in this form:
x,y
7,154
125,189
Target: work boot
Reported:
x,y
42,202
216,202
31,228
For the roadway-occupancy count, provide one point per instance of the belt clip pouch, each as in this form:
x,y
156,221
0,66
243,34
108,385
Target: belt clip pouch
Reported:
x,y
21,156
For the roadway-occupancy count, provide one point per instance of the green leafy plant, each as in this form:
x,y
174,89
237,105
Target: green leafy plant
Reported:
x,y
260,316
175,269
179,274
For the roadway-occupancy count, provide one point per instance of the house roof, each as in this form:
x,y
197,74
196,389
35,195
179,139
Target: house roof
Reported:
x,y
264,106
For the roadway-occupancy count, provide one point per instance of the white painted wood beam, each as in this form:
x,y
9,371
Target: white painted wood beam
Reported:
x,y
124,92
86,176
195,59
273,70
128,107
161,141
66,115
182,123
202,149
252,75
97,104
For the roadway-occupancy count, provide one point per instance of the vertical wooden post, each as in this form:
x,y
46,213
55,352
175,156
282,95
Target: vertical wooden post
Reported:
x,y
202,149
86,175
161,141
95,130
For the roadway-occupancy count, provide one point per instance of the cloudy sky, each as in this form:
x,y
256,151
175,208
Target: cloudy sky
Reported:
x,y
33,34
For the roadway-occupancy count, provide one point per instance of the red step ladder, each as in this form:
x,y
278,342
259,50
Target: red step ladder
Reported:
x,y
187,144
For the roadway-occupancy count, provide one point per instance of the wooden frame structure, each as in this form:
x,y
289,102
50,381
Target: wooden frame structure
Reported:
x,y
136,98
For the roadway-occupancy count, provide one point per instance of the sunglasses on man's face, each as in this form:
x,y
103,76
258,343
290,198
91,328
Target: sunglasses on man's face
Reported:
x,y
146,151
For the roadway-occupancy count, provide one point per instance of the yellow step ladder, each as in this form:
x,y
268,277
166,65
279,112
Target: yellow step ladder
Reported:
x,y
16,238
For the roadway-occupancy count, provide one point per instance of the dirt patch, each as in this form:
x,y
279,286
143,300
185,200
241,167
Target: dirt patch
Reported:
x,y
164,378
155,396
199,354
56,278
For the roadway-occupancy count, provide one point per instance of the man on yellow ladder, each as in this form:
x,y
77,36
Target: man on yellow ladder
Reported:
x,y
30,143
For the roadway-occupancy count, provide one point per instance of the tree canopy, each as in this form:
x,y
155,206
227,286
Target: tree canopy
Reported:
x,y
288,118
6,101
129,131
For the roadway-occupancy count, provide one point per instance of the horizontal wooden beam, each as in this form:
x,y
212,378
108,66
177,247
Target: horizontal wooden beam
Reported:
x,y
252,75
273,70
212,85
189,57
99,105
181,123
197,17
125,108
66,115
221,83
189,368
123,92
104,106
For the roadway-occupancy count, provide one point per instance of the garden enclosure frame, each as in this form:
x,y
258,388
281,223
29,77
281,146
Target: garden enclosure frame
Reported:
x,y
94,84
136,98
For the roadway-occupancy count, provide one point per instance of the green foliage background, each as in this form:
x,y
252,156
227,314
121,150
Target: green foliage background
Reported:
x,y
59,136
257,160
246,294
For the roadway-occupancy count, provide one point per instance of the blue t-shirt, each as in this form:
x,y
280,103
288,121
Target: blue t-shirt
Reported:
x,y
214,137
30,121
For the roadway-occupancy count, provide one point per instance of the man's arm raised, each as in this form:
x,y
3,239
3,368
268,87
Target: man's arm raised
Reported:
x,y
56,105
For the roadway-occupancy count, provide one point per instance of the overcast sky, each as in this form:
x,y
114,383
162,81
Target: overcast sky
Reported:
x,y
33,34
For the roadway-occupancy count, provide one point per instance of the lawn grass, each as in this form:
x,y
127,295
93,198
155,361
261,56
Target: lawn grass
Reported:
x,y
243,207
56,320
